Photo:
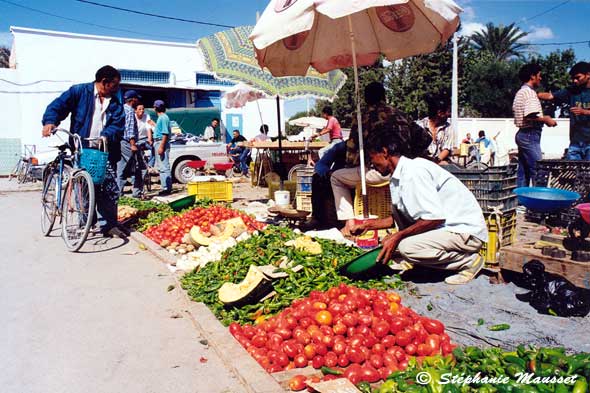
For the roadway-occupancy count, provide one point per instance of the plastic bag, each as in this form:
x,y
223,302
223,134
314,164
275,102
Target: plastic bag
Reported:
x,y
553,294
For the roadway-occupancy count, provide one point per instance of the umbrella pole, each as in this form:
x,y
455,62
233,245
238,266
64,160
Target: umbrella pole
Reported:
x,y
359,122
280,143
260,113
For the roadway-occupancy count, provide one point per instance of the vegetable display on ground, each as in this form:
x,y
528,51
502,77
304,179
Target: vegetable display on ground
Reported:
x,y
316,272
346,331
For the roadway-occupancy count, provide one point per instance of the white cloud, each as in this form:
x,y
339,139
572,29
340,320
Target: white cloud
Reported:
x,y
468,14
467,29
6,39
539,33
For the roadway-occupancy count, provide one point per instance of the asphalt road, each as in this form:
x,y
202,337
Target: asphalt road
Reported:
x,y
101,320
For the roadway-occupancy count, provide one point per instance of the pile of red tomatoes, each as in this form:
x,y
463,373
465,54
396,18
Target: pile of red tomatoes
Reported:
x,y
174,228
367,334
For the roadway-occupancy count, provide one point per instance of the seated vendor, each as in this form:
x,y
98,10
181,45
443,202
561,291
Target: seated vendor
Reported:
x,y
440,223
239,152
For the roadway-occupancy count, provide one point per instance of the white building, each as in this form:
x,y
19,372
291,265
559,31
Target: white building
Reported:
x,y
46,63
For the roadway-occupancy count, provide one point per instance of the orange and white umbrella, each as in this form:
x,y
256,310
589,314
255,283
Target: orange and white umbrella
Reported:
x,y
292,35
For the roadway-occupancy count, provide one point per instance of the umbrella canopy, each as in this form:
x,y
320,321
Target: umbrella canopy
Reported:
x,y
240,94
291,35
309,121
230,55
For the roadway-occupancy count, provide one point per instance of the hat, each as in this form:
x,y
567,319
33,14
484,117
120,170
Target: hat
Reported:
x,y
129,94
159,103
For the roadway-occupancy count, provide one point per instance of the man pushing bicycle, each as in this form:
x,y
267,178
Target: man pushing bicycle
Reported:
x,y
95,112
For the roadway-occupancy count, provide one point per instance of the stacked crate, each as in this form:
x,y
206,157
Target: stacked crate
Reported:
x,y
303,196
493,188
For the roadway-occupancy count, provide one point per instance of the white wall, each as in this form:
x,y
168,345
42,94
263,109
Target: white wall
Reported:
x,y
553,140
49,62
251,116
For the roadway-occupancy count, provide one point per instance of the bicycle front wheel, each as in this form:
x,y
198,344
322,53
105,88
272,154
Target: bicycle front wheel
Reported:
x,y
49,202
78,210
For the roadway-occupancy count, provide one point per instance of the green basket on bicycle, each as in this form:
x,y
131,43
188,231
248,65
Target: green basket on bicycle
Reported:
x,y
95,163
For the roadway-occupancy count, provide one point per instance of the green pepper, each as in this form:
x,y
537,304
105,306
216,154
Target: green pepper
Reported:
x,y
524,389
449,388
501,326
515,360
581,385
387,387
543,388
327,370
548,370
514,370
561,388
364,387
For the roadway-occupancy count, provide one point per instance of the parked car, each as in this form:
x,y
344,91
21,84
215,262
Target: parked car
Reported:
x,y
182,154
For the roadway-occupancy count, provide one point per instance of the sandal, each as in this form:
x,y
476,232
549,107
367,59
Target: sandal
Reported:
x,y
466,275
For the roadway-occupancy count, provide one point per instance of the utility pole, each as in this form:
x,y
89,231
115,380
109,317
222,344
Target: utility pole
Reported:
x,y
455,93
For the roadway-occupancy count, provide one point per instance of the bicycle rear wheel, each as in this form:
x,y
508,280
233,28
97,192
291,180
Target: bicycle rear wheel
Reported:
x,y
49,202
78,210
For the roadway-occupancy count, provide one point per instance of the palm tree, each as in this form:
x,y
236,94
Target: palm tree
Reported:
x,y
4,57
502,41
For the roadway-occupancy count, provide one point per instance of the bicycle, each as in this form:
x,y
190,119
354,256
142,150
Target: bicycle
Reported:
x,y
23,171
68,192
143,162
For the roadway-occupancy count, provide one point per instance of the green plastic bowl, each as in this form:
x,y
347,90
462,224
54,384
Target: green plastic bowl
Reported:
x,y
182,203
361,263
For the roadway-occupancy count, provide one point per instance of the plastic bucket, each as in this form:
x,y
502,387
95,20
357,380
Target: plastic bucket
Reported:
x,y
369,239
282,198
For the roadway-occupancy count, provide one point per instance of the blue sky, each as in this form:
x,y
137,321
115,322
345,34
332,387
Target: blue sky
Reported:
x,y
566,23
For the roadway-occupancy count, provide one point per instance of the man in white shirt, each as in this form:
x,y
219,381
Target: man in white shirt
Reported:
x,y
209,134
440,223
263,136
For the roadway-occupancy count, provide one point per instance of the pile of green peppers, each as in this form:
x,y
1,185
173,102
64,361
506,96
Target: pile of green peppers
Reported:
x,y
320,272
519,371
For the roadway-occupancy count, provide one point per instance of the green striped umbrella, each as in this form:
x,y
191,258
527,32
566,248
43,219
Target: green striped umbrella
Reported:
x,y
230,56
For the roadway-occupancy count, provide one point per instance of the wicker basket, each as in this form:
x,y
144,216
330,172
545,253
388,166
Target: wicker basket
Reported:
x,y
379,200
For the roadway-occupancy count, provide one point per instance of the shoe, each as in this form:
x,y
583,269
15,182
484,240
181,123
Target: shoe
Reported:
x,y
467,274
402,266
310,225
164,193
115,232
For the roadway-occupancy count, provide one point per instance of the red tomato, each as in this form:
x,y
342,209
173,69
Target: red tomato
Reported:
x,y
353,373
339,347
331,359
282,359
328,341
388,341
309,351
284,333
411,349
318,361
259,341
319,305
324,317
433,342
343,360
389,360
381,329
423,350
235,328
290,349
333,292
376,361
339,328
369,374
300,361
304,338
355,355
350,320
321,349
403,338
305,322
378,348
433,326
297,383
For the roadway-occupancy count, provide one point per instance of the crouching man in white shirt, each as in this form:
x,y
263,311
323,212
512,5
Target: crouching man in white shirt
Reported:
x,y
440,222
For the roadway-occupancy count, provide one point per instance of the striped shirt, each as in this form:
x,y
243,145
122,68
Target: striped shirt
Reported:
x,y
443,141
526,103
130,124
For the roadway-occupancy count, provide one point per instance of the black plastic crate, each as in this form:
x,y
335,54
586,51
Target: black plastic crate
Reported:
x,y
565,175
493,187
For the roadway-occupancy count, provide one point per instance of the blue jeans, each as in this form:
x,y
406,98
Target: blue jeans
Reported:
x,y
579,151
163,165
529,152
244,161
128,166
107,196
